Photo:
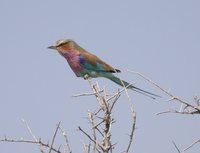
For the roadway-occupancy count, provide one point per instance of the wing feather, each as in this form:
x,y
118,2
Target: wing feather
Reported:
x,y
96,64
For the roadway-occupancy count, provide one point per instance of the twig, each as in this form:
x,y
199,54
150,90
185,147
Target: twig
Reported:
x,y
80,129
177,112
91,120
134,118
31,133
107,105
29,129
30,141
86,147
133,115
185,108
132,131
191,145
67,148
176,147
172,97
54,137
87,94
117,95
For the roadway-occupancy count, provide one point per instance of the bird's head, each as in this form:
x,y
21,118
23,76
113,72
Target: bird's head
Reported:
x,y
63,45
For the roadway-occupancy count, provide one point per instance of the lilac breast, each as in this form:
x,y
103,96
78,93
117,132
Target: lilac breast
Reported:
x,y
74,62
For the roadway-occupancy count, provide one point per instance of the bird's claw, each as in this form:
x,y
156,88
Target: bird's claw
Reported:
x,y
86,77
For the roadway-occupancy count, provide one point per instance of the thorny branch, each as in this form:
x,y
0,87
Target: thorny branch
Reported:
x,y
67,148
88,135
33,136
132,131
176,147
54,137
187,148
46,145
42,145
102,120
185,108
191,145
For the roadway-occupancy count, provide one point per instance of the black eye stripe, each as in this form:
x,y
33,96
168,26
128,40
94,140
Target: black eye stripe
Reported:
x,y
62,43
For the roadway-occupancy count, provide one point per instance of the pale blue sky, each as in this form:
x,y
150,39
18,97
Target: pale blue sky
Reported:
x,y
160,39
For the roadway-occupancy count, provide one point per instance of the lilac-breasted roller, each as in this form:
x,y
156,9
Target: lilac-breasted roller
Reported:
x,y
85,64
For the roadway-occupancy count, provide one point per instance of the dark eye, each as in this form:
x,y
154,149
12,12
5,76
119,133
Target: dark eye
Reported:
x,y
60,44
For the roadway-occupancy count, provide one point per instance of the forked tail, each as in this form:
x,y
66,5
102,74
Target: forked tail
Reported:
x,y
129,86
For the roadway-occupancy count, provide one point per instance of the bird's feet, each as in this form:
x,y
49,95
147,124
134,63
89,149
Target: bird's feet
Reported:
x,y
86,77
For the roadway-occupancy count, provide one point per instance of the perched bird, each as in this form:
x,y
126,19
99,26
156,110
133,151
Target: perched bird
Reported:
x,y
85,64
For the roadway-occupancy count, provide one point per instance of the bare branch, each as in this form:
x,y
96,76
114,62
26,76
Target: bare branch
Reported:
x,y
117,95
46,145
67,148
87,94
91,120
29,129
196,109
85,133
31,133
54,137
191,145
132,132
107,106
176,147
185,108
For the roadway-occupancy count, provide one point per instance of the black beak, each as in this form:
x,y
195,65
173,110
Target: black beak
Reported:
x,y
52,47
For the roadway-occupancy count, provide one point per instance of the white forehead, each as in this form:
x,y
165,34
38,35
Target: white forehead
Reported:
x,y
62,41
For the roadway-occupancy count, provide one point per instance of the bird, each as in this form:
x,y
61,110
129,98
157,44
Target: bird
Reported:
x,y
87,65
